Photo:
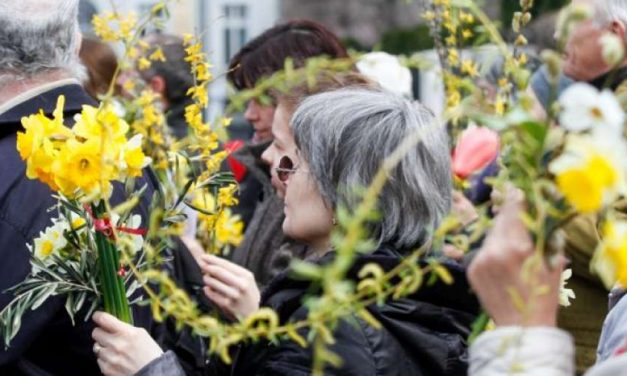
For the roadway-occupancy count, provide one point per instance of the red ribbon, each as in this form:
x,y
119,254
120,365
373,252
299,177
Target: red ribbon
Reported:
x,y
104,226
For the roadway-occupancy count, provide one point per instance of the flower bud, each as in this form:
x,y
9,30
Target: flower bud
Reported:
x,y
553,62
526,4
521,40
613,49
476,148
516,22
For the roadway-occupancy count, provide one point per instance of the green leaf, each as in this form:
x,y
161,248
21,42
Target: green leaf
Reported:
x,y
69,306
45,293
183,193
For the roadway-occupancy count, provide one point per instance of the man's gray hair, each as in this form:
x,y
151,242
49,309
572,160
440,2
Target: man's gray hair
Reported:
x,y
606,11
37,36
345,136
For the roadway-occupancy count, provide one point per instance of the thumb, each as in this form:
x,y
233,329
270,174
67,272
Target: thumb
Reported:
x,y
109,323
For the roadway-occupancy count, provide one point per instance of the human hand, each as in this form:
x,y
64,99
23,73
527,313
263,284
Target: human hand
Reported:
x,y
194,247
466,213
232,288
497,272
122,349
464,210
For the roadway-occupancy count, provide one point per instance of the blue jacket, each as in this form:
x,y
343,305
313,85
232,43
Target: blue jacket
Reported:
x,y
47,342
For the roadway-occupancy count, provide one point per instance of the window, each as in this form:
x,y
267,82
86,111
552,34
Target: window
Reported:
x,y
235,33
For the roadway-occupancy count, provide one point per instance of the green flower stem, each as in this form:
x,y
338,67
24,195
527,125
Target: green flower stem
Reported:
x,y
112,285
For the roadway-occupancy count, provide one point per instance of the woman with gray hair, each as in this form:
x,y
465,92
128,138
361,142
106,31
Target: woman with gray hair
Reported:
x,y
342,139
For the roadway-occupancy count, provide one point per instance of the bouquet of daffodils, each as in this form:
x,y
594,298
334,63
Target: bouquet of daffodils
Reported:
x,y
82,254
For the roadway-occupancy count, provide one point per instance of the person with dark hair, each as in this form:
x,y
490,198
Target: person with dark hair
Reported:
x,y
171,79
101,63
265,251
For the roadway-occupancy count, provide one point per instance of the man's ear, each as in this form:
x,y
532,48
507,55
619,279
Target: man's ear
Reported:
x,y
618,28
79,42
157,84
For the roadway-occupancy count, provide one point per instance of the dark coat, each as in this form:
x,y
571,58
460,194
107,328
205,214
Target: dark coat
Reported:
x,y
47,342
422,334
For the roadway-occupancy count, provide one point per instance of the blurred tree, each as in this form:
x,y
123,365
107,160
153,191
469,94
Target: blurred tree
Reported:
x,y
406,40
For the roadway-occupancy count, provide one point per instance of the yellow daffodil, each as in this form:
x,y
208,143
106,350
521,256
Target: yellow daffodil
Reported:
x,y
590,172
610,259
134,157
98,122
80,166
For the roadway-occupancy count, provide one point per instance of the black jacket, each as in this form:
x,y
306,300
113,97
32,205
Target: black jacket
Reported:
x,y
422,334
47,342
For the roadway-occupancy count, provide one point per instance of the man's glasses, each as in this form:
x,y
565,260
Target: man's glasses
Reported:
x,y
285,169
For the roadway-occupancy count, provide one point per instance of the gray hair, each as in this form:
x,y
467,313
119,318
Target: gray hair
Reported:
x,y
606,11
39,36
345,136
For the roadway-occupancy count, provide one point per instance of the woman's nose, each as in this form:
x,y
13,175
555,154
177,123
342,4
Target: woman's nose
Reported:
x,y
252,111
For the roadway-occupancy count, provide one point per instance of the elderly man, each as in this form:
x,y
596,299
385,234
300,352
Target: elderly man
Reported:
x,y
583,60
39,44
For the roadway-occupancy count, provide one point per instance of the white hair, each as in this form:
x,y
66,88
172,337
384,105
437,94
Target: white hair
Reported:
x,y
606,11
38,36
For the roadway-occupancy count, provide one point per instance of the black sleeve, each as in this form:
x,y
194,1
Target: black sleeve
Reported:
x,y
14,267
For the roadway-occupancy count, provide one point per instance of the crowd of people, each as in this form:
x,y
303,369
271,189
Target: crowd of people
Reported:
x,y
311,147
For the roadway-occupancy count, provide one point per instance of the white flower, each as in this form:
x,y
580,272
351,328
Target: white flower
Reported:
x,y
566,294
613,49
51,240
133,242
584,108
387,70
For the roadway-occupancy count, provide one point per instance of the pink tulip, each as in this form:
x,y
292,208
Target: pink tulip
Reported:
x,y
476,148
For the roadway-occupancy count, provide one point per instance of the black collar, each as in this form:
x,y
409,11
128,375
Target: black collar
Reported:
x,y
75,98
611,80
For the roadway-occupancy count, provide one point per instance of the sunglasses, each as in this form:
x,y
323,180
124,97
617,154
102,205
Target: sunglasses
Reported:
x,y
285,169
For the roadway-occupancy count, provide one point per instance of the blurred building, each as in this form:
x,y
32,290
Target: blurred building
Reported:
x,y
365,20
226,25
